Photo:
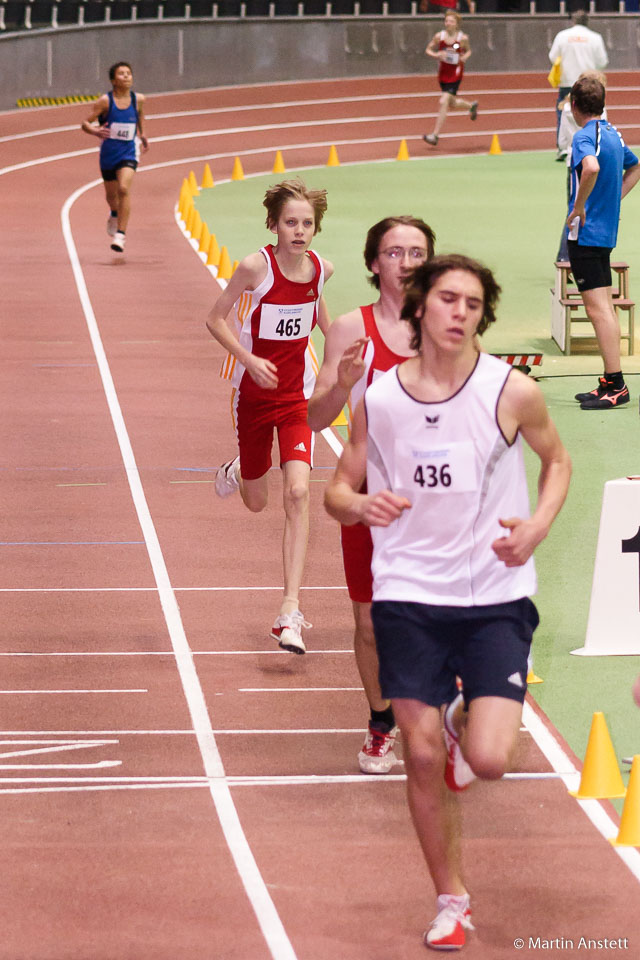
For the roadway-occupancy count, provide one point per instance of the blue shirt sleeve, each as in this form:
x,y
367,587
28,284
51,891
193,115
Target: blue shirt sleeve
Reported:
x,y
583,145
630,158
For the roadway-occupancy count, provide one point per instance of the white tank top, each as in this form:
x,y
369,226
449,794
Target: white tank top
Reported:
x,y
451,460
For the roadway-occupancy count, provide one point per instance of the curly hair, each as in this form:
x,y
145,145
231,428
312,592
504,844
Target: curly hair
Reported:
x,y
276,197
423,278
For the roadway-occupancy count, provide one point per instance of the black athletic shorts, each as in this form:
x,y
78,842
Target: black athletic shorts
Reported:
x,y
451,88
422,648
112,174
590,266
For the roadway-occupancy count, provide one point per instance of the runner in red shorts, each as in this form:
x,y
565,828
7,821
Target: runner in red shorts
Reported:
x,y
359,346
277,295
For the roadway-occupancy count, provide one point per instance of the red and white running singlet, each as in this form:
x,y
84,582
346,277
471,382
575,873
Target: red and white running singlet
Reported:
x,y
378,358
451,69
275,321
357,546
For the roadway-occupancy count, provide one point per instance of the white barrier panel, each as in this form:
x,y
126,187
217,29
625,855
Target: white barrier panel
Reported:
x,y
614,612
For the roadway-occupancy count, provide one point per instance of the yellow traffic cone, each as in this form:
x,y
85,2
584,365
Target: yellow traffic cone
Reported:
x,y
494,149
340,420
205,240
403,152
532,678
196,226
193,185
224,267
191,212
185,196
629,832
278,163
601,778
237,173
333,158
207,178
213,256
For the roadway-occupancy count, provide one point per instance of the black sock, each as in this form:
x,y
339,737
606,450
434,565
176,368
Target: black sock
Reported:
x,y
114,213
616,380
383,719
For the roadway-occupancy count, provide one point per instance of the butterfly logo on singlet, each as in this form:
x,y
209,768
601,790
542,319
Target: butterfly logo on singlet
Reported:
x,y
432,421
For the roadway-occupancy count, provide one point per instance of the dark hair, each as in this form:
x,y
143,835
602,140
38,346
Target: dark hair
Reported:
x,y
580,18
423,278
276,197
378,230
114,67
588,94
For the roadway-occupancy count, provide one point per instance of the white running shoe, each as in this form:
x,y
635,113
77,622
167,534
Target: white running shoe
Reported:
x,y
447,931
457,772
112,225
287,630
377,754
227,478
118,241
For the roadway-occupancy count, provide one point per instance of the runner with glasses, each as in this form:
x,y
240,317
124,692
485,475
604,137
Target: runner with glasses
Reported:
x,y
361,345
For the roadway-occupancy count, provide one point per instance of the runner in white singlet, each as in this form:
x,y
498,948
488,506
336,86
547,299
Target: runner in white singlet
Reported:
x,y
439,440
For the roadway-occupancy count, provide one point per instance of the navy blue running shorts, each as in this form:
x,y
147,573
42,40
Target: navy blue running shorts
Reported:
x,y
590,266
112,174
422,648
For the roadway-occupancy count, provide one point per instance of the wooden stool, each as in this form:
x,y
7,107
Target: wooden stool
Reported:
x,y
566,304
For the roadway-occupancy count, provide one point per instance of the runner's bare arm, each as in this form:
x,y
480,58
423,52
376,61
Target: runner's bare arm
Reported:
x,y
432,47
522,408
248,275
89,125
337,374
141,118
342,500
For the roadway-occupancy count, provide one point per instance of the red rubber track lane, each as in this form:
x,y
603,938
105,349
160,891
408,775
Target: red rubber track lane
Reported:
x,y
104,856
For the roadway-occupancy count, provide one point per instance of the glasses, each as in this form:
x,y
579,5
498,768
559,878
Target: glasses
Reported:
x,y
397,253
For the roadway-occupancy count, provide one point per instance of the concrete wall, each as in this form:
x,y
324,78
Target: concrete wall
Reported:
x,y
178,55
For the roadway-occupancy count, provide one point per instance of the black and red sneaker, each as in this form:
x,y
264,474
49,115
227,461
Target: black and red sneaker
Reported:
x,y
593,394
608,399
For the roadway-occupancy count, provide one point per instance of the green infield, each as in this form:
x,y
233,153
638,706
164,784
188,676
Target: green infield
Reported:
x,y
507,211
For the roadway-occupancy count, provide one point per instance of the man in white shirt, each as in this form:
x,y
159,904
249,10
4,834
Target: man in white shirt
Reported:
x,y
579,49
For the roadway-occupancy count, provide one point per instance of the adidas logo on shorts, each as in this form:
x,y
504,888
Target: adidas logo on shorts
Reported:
x,y
516,680
300,446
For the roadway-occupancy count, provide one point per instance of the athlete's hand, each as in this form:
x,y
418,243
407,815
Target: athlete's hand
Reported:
x,y
145,144
351,365
515,549
576,212
381,509
103,131
263,372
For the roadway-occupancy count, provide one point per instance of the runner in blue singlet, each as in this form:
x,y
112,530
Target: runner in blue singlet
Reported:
x,y
120,117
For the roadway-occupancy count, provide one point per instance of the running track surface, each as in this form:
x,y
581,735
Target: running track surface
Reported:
x,y
171,786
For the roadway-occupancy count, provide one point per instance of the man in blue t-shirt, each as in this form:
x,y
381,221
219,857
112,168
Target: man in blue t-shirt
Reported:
x,y
603,171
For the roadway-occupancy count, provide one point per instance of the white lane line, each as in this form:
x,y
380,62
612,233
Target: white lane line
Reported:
x,y
289,104
63,691
100,764
250,589
300,689
168,733
169,653
549,746
268,919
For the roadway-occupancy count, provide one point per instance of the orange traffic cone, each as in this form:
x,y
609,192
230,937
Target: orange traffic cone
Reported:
x,y
494,149
207,178
278,163
224,267
213,255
